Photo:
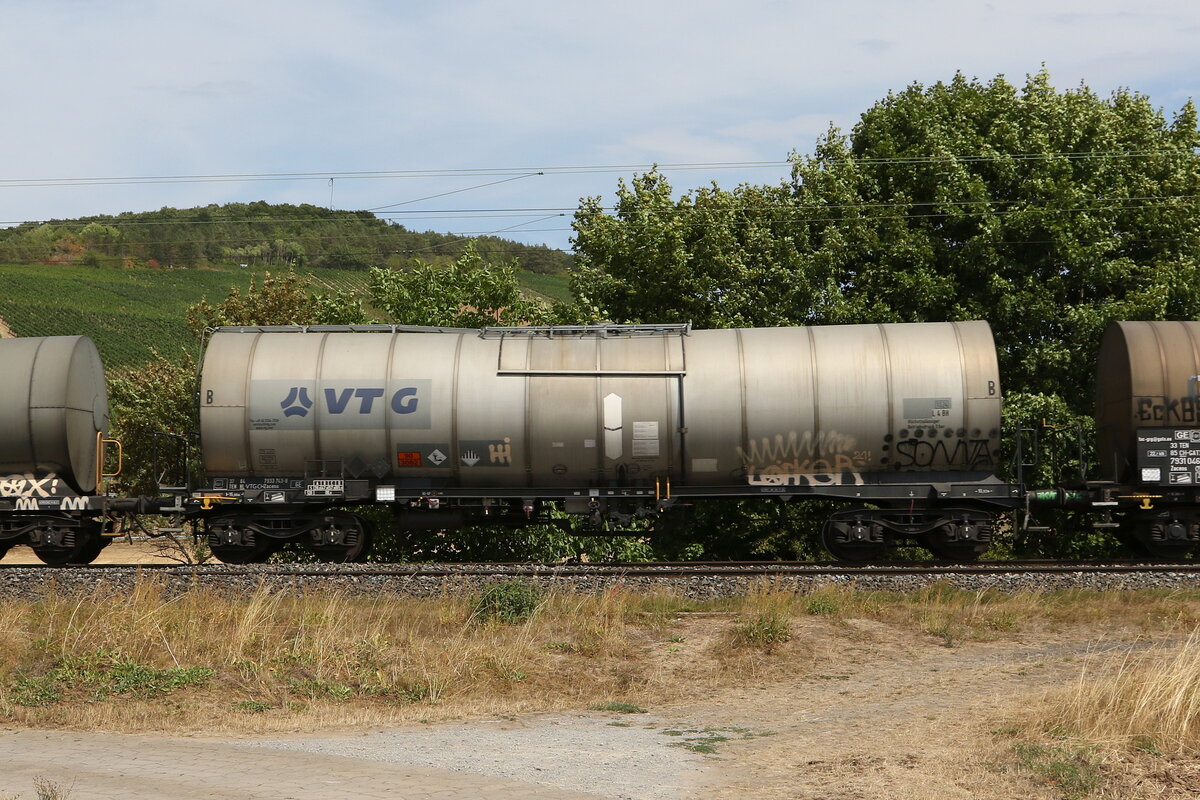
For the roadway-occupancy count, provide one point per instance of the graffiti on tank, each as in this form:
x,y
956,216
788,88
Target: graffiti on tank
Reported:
x,y
794,459
500,453
51,504
1169,410
972,454
28,485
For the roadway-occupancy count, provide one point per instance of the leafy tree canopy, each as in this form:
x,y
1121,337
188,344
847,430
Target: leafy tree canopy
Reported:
x,y
282,300
1047,213
465,293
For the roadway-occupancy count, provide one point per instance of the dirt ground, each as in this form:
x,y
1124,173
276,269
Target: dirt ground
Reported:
x,y
889,718
119,552
924,717
906,716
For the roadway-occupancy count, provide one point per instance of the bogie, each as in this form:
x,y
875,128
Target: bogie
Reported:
x,y
1166,535
249,538
67,543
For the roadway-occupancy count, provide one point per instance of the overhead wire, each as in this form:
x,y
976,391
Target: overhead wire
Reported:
x,y
350,217
568,169
456,191
1097,204
377,174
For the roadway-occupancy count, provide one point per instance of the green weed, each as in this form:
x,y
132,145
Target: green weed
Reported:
x,y
765,630
101,674
512,601
618,707
821,605
1068,767
252,706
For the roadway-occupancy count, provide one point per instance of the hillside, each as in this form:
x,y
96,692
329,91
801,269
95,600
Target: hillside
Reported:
x,y
129,311
257,235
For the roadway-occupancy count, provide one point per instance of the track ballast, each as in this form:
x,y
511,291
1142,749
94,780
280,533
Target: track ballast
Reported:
x,y
693,579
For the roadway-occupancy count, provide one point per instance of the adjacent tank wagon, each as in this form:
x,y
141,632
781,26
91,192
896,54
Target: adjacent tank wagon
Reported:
x,y
1148,433
53,418
615,422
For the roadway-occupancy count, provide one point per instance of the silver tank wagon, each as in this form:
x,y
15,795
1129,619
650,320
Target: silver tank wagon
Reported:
x,y
605,417
53,416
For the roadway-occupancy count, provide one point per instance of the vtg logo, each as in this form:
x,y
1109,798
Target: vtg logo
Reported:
x,y
297,403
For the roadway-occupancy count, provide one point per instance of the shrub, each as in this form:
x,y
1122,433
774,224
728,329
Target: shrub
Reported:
x,y
512,601
765,629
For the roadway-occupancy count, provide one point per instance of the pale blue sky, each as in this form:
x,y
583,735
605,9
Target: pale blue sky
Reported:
x,y
139,88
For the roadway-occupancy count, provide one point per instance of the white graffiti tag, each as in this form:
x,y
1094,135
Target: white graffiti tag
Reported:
x,y
29,486
793,459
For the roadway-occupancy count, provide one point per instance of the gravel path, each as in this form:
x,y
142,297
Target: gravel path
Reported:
x,y
626,756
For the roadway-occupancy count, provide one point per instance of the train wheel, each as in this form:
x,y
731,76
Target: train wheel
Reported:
x,y
962,536
853,540
342,538
71,546
232,544
242,554
1165,538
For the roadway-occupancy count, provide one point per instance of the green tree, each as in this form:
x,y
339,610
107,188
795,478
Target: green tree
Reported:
x,y
102,238
158,397
1048,214
713,258
465,293
281,300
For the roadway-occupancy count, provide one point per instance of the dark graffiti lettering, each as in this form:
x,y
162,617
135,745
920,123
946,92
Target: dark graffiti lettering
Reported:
x,y
973,454
1176,409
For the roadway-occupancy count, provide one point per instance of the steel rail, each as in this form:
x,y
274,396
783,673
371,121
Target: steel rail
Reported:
x,y
656,569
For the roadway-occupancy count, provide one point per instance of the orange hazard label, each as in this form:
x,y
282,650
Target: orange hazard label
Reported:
x,y
408,459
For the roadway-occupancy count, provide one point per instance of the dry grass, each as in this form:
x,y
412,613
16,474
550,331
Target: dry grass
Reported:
x,y
269,660
1129,724
146,661
1141,699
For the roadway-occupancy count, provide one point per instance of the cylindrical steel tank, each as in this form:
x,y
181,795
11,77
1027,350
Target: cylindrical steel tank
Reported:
x,y
53,403
1146,378
612,405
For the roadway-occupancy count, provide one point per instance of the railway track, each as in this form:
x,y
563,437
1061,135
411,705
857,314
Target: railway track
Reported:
x,y
699,581
643,569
